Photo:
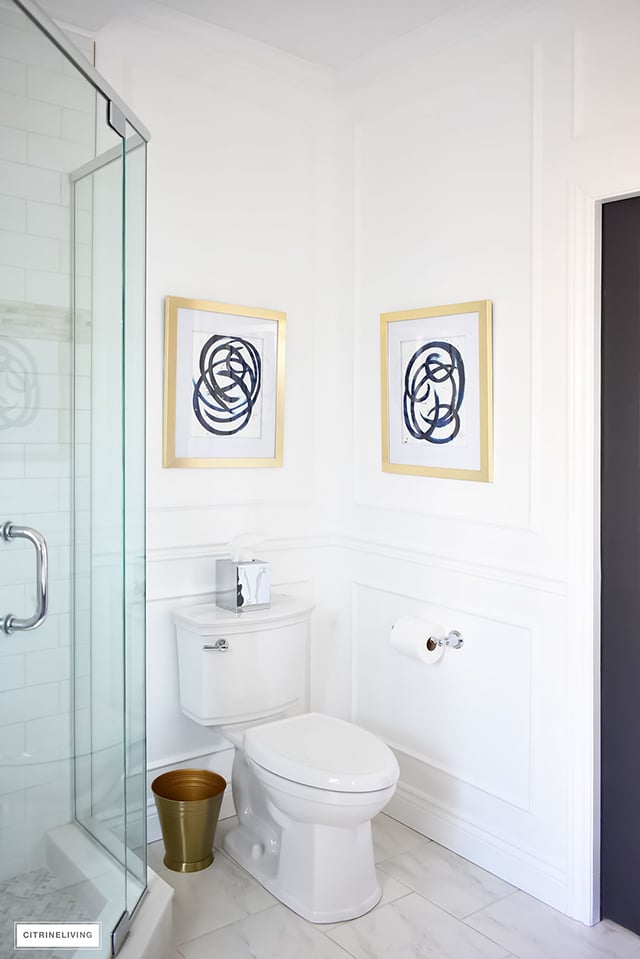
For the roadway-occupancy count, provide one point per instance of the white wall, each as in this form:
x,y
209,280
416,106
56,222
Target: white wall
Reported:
x,y
461,162
242,195
478,145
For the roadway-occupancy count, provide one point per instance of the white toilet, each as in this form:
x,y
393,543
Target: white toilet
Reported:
x,y
305,786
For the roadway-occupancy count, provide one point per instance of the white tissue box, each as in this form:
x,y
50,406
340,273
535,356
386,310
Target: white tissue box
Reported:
x,y
242,586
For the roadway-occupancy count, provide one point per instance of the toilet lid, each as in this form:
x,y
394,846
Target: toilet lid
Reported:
x,y
322,751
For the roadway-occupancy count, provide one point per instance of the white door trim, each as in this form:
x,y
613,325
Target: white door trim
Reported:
x,y
583,538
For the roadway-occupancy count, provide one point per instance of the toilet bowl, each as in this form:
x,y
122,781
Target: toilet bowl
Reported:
x,y
306,789
305,785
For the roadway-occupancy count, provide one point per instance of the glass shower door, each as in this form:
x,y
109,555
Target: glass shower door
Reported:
x,y
72,736
108,202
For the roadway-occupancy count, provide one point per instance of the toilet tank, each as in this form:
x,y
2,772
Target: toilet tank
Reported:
x,y
236,667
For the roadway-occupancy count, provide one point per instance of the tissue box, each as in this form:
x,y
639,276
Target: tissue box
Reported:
x,y
241,586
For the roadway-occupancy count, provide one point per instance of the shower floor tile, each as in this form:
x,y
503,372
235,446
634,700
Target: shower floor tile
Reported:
x,y
35,896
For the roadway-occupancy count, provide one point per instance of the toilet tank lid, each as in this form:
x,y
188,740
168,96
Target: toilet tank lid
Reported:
x,y
209,619
322,751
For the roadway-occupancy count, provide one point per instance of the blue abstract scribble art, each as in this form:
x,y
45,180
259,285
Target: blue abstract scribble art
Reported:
x,y
434,383
225,393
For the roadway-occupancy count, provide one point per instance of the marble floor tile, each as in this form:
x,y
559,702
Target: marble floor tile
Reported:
x,y
390,838
391,890
276,933
448,880
532,930
205,900
409,928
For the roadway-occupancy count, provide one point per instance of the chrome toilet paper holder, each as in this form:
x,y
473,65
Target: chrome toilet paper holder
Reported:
x,y
453,639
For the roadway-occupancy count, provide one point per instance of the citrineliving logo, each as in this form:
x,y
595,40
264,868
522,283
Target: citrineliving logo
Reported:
x,y
60,935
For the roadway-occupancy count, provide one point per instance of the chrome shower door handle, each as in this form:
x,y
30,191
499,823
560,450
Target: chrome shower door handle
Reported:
x,y
11,623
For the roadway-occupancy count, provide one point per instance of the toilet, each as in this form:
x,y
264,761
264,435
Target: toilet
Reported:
x,y
305,785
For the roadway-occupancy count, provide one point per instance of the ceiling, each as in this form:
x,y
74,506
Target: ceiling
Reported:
x,y
329,32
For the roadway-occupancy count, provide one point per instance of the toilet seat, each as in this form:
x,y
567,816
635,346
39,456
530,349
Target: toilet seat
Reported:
x,y
323,752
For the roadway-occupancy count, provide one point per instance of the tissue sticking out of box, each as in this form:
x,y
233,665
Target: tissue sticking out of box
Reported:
x,y
243,548
243,582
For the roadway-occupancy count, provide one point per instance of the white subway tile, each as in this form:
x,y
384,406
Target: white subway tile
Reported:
x,y
65,91
50,805
45,636
12,283
60,562
12,598
47,460
52,153
79,127
84,259
54,391
82,659
47,735
13,808
13,76
30,702
65,258
16,566
13,144
13,18
52,289
65,191
48,355
84,226
27,46
59,596
39,495
55,527
45,426
12,740
49,219
82,697
83,427
83,394
12,672
31,252
32,115
47,665
13,212
11,460
84,293
18,839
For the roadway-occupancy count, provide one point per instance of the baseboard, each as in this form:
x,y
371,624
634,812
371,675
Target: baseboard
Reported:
x,y
543,880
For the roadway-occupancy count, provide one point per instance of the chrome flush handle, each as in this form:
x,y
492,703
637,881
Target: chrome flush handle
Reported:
x,y
220,645
11,623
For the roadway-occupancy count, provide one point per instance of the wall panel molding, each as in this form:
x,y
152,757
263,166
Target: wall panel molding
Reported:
x,y
394,552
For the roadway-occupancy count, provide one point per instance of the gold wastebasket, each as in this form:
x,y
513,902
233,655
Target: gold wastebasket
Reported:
x,y
188,803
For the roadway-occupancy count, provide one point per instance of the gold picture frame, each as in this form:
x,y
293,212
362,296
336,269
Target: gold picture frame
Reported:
x,y
223,385
437,391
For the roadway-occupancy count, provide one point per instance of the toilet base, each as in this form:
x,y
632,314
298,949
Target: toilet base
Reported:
x,y
323,871
340,883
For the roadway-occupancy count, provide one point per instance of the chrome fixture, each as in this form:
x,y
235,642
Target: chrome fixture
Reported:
x,y
11,623
453,639
221,645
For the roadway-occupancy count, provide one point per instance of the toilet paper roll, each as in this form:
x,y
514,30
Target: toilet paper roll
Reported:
x,y
409,637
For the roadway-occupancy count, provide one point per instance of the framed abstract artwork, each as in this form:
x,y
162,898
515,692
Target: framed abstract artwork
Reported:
x,y
223,385
437,410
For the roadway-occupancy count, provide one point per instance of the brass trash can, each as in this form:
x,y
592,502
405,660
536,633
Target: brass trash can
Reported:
x,y
188,803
